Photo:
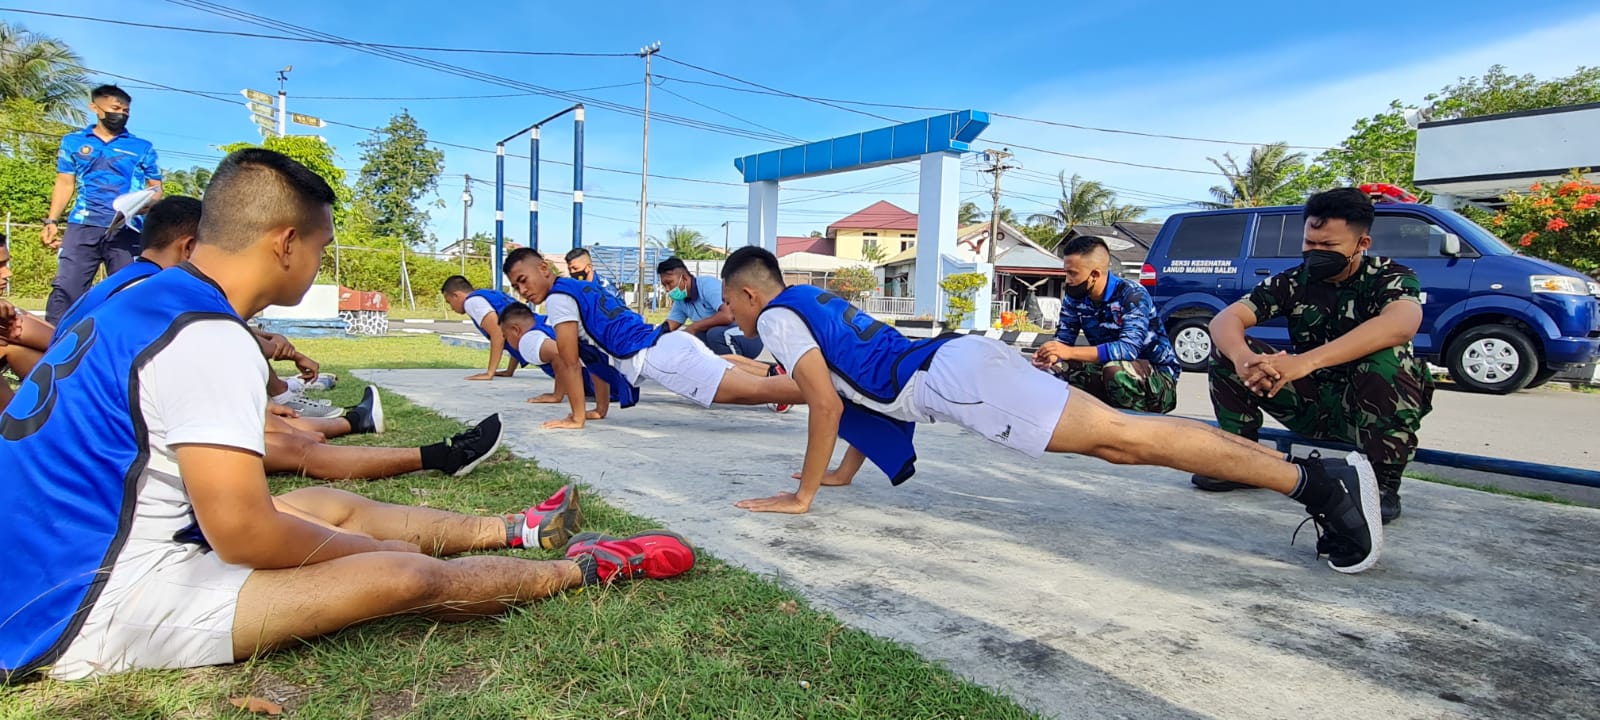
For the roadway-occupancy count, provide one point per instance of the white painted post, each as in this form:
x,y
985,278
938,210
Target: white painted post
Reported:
x,y
762,220
939,198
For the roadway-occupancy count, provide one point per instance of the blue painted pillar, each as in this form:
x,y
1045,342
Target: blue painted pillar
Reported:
x,y
533,189
577,178
499,215
939,198
762,223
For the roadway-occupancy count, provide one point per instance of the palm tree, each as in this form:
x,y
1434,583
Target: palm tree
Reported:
x,y
969,214
688,244
44,70
1081,201
1113,214
1269,177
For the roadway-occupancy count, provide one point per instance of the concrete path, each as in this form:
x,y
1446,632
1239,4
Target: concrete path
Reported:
x,y
1086,590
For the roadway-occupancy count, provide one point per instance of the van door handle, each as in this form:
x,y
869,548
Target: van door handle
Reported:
x,y
1263,271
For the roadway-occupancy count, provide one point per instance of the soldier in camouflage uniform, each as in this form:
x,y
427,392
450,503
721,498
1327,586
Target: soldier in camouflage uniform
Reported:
x,y
1128,363
1352,376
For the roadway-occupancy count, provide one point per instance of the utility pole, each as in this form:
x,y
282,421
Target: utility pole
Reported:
x,y
725,232
466,202
283,101
644,171
998,158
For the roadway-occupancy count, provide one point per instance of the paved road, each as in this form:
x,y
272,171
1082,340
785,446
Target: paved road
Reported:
x,y
1086,590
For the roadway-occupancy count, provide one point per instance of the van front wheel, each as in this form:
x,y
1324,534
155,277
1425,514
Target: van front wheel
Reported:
x,y
1191,342
1496,359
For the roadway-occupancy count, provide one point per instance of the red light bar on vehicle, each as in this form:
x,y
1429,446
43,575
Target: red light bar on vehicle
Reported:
x,y
1384,192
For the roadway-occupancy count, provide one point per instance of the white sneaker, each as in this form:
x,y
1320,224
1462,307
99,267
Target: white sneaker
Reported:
x,y
312,408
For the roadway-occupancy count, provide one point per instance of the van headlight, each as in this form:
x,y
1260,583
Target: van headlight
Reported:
x,y
1594,288
1559,285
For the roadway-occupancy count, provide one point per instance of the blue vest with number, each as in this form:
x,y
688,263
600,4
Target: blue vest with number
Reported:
x,y
620,332
75,445
595,364
499,301
876,361
114,283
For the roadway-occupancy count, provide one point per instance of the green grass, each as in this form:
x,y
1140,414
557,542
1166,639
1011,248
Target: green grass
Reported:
x,y
1537,496
718,643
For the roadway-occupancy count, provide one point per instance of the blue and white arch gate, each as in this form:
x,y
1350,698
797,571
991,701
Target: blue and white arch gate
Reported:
x,y
937,142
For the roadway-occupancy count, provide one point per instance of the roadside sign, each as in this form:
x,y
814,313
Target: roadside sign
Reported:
x,y
299,119
257,96
266,111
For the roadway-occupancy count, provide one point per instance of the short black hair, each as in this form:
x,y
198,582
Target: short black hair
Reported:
x,y
456,283
110,91
521,255
576,253
755,265
1083,245
670,264
254,191
514,312
1348,204
172,219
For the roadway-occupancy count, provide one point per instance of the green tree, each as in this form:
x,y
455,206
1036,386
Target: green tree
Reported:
x,y
968,214
853,283
191,182
873,253
398,168
1271,176
44,70
1081,201
1382,148
689,244
1045,235
28,143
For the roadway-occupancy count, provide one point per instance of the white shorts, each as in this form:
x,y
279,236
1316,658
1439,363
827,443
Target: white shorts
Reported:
x,y
684,365
986,386
177,614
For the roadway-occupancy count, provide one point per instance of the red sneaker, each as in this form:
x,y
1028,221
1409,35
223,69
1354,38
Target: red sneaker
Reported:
x,y
655,554
777,369
551,523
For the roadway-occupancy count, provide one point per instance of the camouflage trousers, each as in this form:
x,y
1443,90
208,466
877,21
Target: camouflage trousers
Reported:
x,y
1125,384
1375,403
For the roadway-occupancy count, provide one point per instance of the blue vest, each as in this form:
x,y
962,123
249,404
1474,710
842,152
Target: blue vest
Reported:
x,y
595,363
498,300
75,445
137,270
873,359
621,332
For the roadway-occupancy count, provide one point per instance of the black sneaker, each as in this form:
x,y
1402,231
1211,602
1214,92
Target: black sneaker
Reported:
x,y
470,448
1344,531
1389,502
366,416
1211,484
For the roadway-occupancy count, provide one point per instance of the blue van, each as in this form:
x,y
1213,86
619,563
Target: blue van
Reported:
x,y
1499,321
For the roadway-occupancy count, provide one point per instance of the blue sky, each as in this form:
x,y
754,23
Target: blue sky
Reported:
x,y
1245,71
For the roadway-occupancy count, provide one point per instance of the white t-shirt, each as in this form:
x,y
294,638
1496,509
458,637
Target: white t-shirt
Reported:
x,y
476,308
788,338
531,343
208,386
559,308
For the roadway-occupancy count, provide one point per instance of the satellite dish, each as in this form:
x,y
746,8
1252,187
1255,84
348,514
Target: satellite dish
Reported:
x,y
1117,244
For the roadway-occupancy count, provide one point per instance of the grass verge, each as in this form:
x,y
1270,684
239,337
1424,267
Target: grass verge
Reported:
x,y
717,643
1540,497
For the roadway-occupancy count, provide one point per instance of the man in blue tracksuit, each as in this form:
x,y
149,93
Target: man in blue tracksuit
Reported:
x,y
582,312
100,162
865,382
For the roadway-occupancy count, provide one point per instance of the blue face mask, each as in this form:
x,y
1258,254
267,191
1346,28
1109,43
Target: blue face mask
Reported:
x,y
678,294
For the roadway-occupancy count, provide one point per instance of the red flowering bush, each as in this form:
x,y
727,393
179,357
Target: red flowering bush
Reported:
x,y
1559,222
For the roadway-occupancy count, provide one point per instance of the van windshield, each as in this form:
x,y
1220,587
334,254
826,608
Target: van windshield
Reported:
x,y
1486,242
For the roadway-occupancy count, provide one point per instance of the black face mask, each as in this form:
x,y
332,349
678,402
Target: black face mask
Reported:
x,y
1323,265
114,121
580,275
1079,291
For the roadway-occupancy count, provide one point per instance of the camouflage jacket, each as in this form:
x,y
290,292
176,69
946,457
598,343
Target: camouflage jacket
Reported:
x,y
1122,324
1319,313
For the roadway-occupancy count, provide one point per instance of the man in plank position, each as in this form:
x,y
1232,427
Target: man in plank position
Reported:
x,y
159,545
865,382
581,311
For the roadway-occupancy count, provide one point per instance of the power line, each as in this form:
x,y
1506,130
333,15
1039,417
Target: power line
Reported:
x,y
775,90
347,43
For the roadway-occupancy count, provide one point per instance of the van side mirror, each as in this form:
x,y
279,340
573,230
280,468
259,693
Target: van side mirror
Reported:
x,y
1451,246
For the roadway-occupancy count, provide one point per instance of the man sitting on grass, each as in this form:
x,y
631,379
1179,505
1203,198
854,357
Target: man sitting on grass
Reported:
x,y
158,545
865,382
23,340
582,312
